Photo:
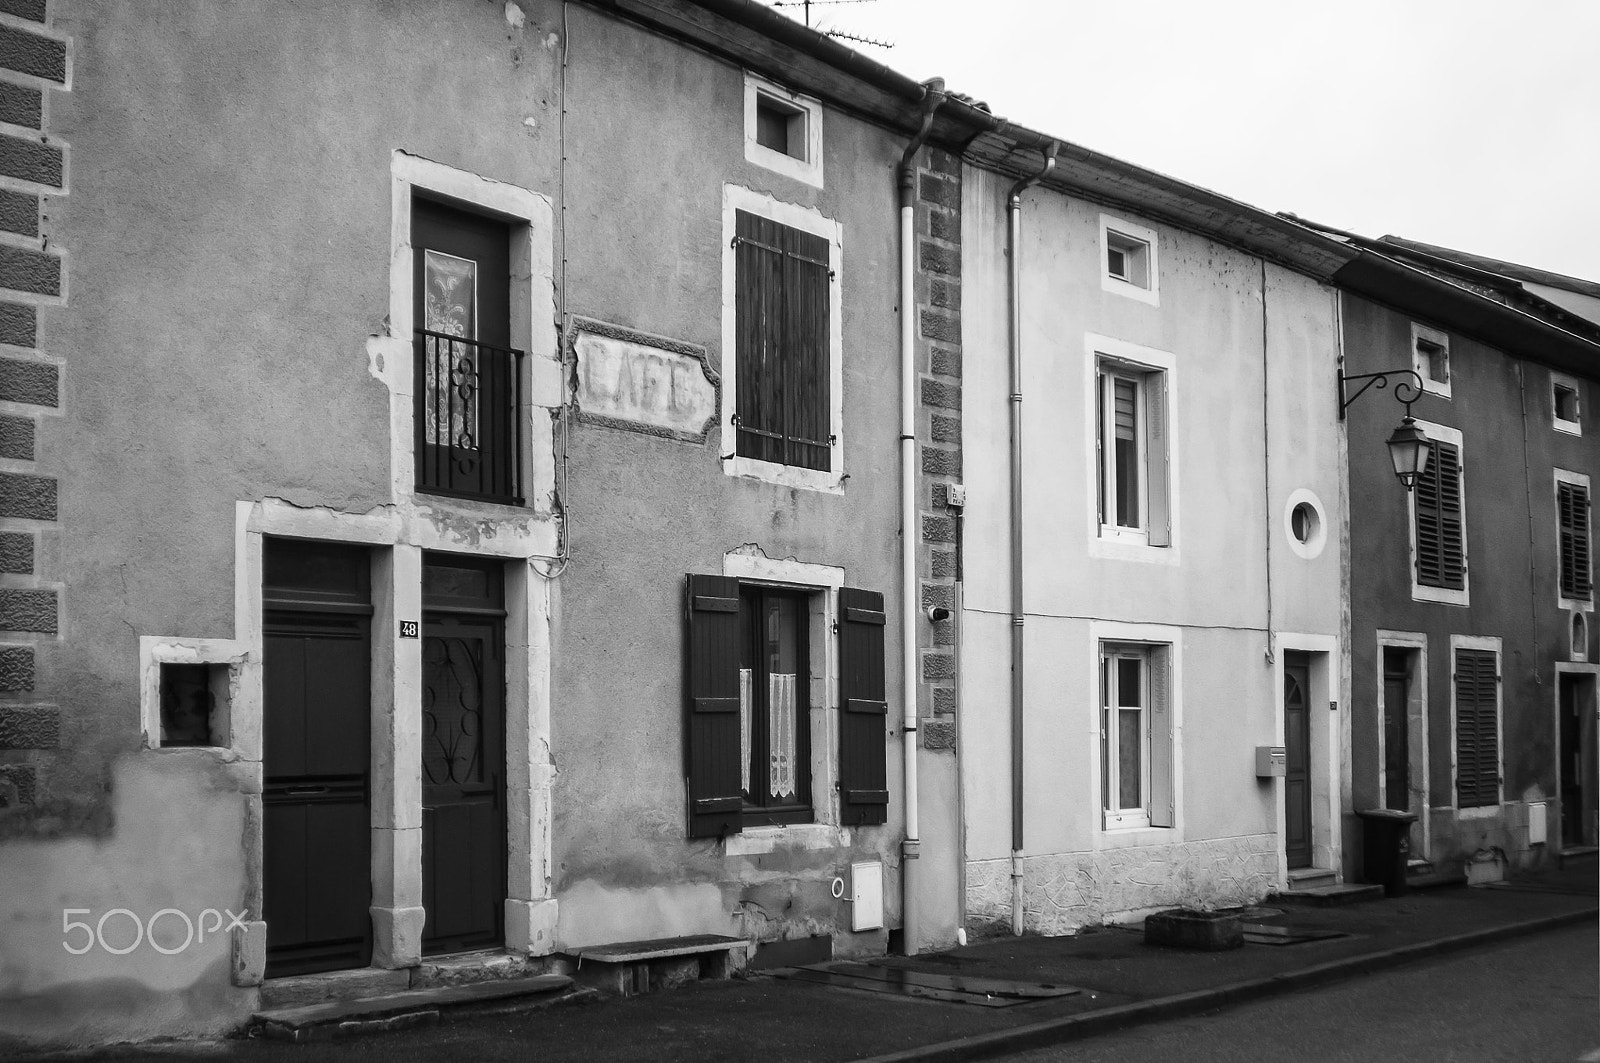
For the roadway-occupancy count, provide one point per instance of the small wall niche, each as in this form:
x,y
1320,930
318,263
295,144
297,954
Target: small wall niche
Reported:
x,y
194,705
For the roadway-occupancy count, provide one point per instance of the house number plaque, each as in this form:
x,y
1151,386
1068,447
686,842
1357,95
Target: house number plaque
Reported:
x,y
408,629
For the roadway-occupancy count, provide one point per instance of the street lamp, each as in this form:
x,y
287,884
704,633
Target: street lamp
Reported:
x,y
1408,447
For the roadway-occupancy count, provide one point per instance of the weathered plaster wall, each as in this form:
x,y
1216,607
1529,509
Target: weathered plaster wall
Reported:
x,y
1500,401
1251,423
645,251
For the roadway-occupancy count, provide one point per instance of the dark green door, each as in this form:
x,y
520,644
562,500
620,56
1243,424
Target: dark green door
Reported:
x,y
1396,743
1297,746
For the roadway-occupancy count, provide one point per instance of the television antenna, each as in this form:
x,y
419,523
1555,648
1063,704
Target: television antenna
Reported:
x,y
807,5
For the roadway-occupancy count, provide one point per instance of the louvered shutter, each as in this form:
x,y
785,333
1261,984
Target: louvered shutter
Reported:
x,y
1477,728
1157,451
711,727
1572,508
781,310
1161,738
1440,536
864,710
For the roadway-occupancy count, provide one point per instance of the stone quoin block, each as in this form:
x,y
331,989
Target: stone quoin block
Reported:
x,y
936,259
938,594
29,53
945,362
945,430
18,786
940,191
29,160
21,105
19,211
945,295
944,633
30,728
16,438
16,553
938,495
944,564
23,609
23,270
18,325
938,666
27,497
938,529
28,9
938,325
936,461
938,393
945,225
944,701
938,734
16,668
941,161
37,383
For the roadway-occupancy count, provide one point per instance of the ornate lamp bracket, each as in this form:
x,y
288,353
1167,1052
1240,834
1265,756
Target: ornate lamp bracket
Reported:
x,y
1405,392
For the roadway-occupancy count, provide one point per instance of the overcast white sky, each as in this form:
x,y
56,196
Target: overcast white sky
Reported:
x,y
1469,123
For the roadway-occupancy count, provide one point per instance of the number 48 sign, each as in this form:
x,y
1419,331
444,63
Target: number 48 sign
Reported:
x,y
408,629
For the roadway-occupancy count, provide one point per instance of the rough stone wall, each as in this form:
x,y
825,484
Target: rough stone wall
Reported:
x,y
938,288
1066,891
34,62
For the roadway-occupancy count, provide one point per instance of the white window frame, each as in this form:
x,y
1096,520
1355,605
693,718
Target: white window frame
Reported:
x,y
1577,479
1441,595
734,199
1557,422
1424,334
1479,642
1150,292
1109,540
1130,830
807,169
1118,818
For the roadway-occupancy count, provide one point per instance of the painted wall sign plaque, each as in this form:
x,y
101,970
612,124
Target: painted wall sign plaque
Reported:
x,y
643,383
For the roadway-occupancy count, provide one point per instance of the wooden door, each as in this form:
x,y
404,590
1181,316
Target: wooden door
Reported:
x,y
463,771
1396,732
1577,752
1297,746
316,752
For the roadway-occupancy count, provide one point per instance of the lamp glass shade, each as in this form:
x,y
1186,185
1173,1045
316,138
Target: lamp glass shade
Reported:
x,y
1408,450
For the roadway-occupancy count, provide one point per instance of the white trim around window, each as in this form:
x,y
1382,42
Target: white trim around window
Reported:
x,y
1576,479
1120,828
1130,260
1441,595
734,199
1158,369
1560,382
804,161
1492,644
1430,354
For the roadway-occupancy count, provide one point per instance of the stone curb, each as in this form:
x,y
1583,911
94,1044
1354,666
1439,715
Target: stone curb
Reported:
x,y
1058,1031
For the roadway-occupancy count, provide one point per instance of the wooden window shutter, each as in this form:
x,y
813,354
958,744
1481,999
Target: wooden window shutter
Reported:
x,y
1441,538
1157,457
864,710
783,343
1162,752
1572,506
1477,728
711,726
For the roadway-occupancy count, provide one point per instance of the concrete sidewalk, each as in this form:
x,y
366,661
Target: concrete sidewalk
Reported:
x,y
1123,982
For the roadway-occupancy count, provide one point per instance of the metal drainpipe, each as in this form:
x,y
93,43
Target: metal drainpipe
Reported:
x,y
1014,252
911,848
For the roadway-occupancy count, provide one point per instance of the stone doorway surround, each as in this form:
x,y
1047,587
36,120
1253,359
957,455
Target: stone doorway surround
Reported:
x,y
1326,727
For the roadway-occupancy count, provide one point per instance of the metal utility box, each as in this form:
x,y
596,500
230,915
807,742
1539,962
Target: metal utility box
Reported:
x,y
866,895
1271,761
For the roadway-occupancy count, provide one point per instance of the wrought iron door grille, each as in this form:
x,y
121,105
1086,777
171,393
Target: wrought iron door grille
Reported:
x,y
468,423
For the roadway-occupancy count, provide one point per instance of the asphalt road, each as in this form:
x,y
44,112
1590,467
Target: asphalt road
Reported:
x,y
1532,1000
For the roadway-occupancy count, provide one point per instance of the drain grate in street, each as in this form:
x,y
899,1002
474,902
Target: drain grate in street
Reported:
x,y
1266,934
926,985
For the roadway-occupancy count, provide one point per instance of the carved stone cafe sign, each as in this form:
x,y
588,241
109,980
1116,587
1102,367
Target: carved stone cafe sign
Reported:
x,y
643,383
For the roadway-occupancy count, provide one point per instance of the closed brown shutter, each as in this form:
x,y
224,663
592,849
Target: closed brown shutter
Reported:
x,y
863,716
781,294
1572,511
1441,539
711,726
1477,685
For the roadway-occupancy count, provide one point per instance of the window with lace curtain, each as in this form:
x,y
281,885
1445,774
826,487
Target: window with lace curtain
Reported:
x,y
774,745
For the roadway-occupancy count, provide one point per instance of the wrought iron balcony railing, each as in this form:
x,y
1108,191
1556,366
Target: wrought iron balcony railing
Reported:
x,y
468,423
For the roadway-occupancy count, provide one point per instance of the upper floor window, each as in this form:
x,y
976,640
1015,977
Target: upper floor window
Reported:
x,y
782,130
1430,357
1566,414
781,330
1439,537
1128,259
1131,445
1572,524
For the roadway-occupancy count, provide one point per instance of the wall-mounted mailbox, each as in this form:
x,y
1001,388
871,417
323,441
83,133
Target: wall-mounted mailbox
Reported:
x,y
1271,761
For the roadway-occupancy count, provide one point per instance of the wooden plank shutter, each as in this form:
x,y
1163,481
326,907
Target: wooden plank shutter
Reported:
x,y
781,309
1441,539
1162,802
711,727
1158,505
864,710
1477,728
1572,506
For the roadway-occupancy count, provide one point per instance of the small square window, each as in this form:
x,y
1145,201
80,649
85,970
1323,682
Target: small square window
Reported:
x,y
782,130
1128,260
1565,408
1430,357
194,704
780,126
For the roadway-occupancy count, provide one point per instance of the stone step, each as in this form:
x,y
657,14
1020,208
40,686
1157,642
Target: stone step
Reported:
x,y
1330,895
1434,878
415,1007
299,991
1307,878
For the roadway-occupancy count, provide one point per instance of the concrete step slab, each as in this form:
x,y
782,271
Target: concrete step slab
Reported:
x,y
392,1011
1330,895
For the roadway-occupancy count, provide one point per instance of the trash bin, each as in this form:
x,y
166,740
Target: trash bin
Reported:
x,y
1386,848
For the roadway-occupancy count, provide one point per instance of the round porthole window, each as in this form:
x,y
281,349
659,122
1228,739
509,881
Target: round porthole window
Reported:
x,y
1305,525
